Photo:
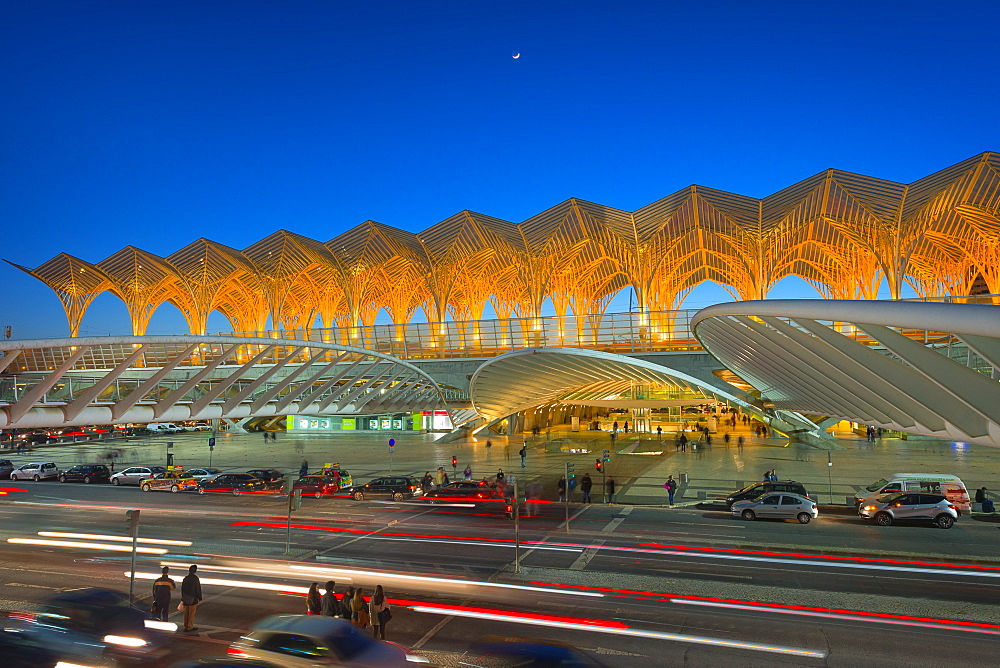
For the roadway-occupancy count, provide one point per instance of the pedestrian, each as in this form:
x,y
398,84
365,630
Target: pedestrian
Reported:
x,y
346,604
468,472
561,486
767,476
671,486
500,475
329,605
532,492
659,433
359,611
445,480
304,469
739,443
266,439
614,427
489,444
425,482
980,495
585,486
378,611
523,453
774,475
274,436
190,597
314,602
439,476
625,426
725,438
610,490
162,587
506,452
684,442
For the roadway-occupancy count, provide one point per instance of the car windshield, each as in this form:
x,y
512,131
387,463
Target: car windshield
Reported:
x,y
876,486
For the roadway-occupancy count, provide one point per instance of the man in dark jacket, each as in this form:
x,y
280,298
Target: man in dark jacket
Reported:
x,y
585,486
330,602
190,597
162,587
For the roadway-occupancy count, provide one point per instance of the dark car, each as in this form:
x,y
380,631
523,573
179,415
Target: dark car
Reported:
x,y
21,650
395,488
86,473
234,483
94,626
463,491
6,466
315,485
496,650
36,438
273,477
765,487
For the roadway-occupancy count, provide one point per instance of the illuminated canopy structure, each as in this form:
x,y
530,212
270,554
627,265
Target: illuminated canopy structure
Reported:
x,y
844,233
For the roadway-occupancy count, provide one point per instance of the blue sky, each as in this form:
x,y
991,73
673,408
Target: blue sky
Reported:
x,y
151,124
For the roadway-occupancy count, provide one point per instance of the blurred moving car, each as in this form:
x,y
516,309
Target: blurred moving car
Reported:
x,y
314,485
35,471
174,481
86,473
497,650
134,475
765,487
777,506
37,438
395,488
6,467
312,640
934,508
94,626
204,473
463,490
273,477
234,483
21,650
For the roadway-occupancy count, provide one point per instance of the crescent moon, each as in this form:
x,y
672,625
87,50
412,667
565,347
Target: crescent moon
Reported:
x,y
516,56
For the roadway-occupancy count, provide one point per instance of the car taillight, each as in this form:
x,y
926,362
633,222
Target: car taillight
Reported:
x,y
234,651
23,616
953,506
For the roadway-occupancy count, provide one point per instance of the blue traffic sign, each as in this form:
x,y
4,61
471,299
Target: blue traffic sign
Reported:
x,y
211,442
392,442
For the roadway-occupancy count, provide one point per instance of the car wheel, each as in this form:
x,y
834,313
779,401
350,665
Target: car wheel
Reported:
x,y
145,488
62,478
86,480
236,492
944,521
804,518
398,496
748,515
201,491
883,519
36,478
318,495
115,482
359,496
175,489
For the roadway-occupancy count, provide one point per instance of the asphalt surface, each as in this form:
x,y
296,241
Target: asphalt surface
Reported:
x,y
677,586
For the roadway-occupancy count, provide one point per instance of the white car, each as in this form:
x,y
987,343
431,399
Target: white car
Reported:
x,y
312,640
206,473
35,471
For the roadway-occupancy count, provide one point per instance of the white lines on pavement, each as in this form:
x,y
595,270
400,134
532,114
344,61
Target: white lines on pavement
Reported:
x,y
584,558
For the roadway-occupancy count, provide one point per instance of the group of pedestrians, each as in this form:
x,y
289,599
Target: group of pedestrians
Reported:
x,y
270,436
352,606
191,596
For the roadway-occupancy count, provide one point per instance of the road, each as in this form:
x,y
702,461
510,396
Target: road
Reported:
x,y
674,587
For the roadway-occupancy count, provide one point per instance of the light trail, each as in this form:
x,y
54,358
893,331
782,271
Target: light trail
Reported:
x,y
89,546
123,539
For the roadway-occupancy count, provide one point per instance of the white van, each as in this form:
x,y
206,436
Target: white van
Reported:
x,y
164,428
934,483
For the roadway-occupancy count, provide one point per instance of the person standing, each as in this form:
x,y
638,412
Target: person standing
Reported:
x,y
439,477
347,604
359,611
610,490
314,602
266,439
659,433
378,610
523,453
303,468
425,482
561,485
585,486
614,426
671,486
625,426
162,588
725,438
739,443
468,472
774,475
190,597
329,605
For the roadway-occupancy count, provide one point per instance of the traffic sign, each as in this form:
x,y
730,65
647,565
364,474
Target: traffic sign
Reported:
x,y
392,442
211,442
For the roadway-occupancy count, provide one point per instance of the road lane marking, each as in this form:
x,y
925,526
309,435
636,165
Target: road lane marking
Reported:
x,y
585,557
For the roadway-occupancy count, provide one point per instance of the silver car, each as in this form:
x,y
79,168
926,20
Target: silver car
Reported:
x,y
935,508
35,471
205,473
312,640
134,475
782,506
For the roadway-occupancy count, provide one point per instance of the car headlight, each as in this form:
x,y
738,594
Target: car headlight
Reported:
x,y
869,507
125,641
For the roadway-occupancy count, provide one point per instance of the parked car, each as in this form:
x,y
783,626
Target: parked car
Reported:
x,y
174,481
766,487
163,428
35,471
95,627
312,640
395,488
777,506
134,475
934,508
314,485
205,473
6,467
949,486
463,490
273,477
86,473
234,483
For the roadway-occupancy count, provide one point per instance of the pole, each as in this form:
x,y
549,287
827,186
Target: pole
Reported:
x,y
517,532
566,496
604,480
132,522
829,470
